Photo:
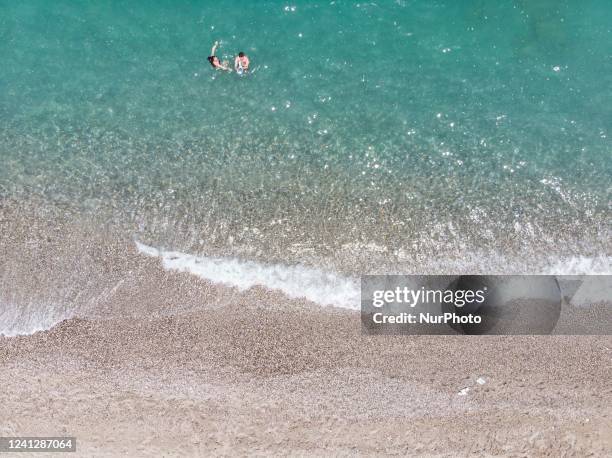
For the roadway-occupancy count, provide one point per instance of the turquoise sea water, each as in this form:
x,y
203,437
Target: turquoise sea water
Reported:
x,y
410,130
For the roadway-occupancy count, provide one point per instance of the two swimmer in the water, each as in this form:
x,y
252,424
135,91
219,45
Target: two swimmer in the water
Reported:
x,y
241,62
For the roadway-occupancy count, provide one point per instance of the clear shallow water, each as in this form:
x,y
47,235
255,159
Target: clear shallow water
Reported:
x,y
399,134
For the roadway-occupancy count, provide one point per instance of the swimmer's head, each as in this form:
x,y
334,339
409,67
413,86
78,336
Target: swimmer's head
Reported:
x,y
240,54
211,59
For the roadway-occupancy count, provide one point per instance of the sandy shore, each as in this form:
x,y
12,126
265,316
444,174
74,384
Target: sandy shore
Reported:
x,y
156,363
301,381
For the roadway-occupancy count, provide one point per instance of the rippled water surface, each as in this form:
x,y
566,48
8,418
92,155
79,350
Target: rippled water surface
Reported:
x,y
417,132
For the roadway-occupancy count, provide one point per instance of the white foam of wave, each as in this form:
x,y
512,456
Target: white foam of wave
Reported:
x,y
29,318
321,287
330,289
582,265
